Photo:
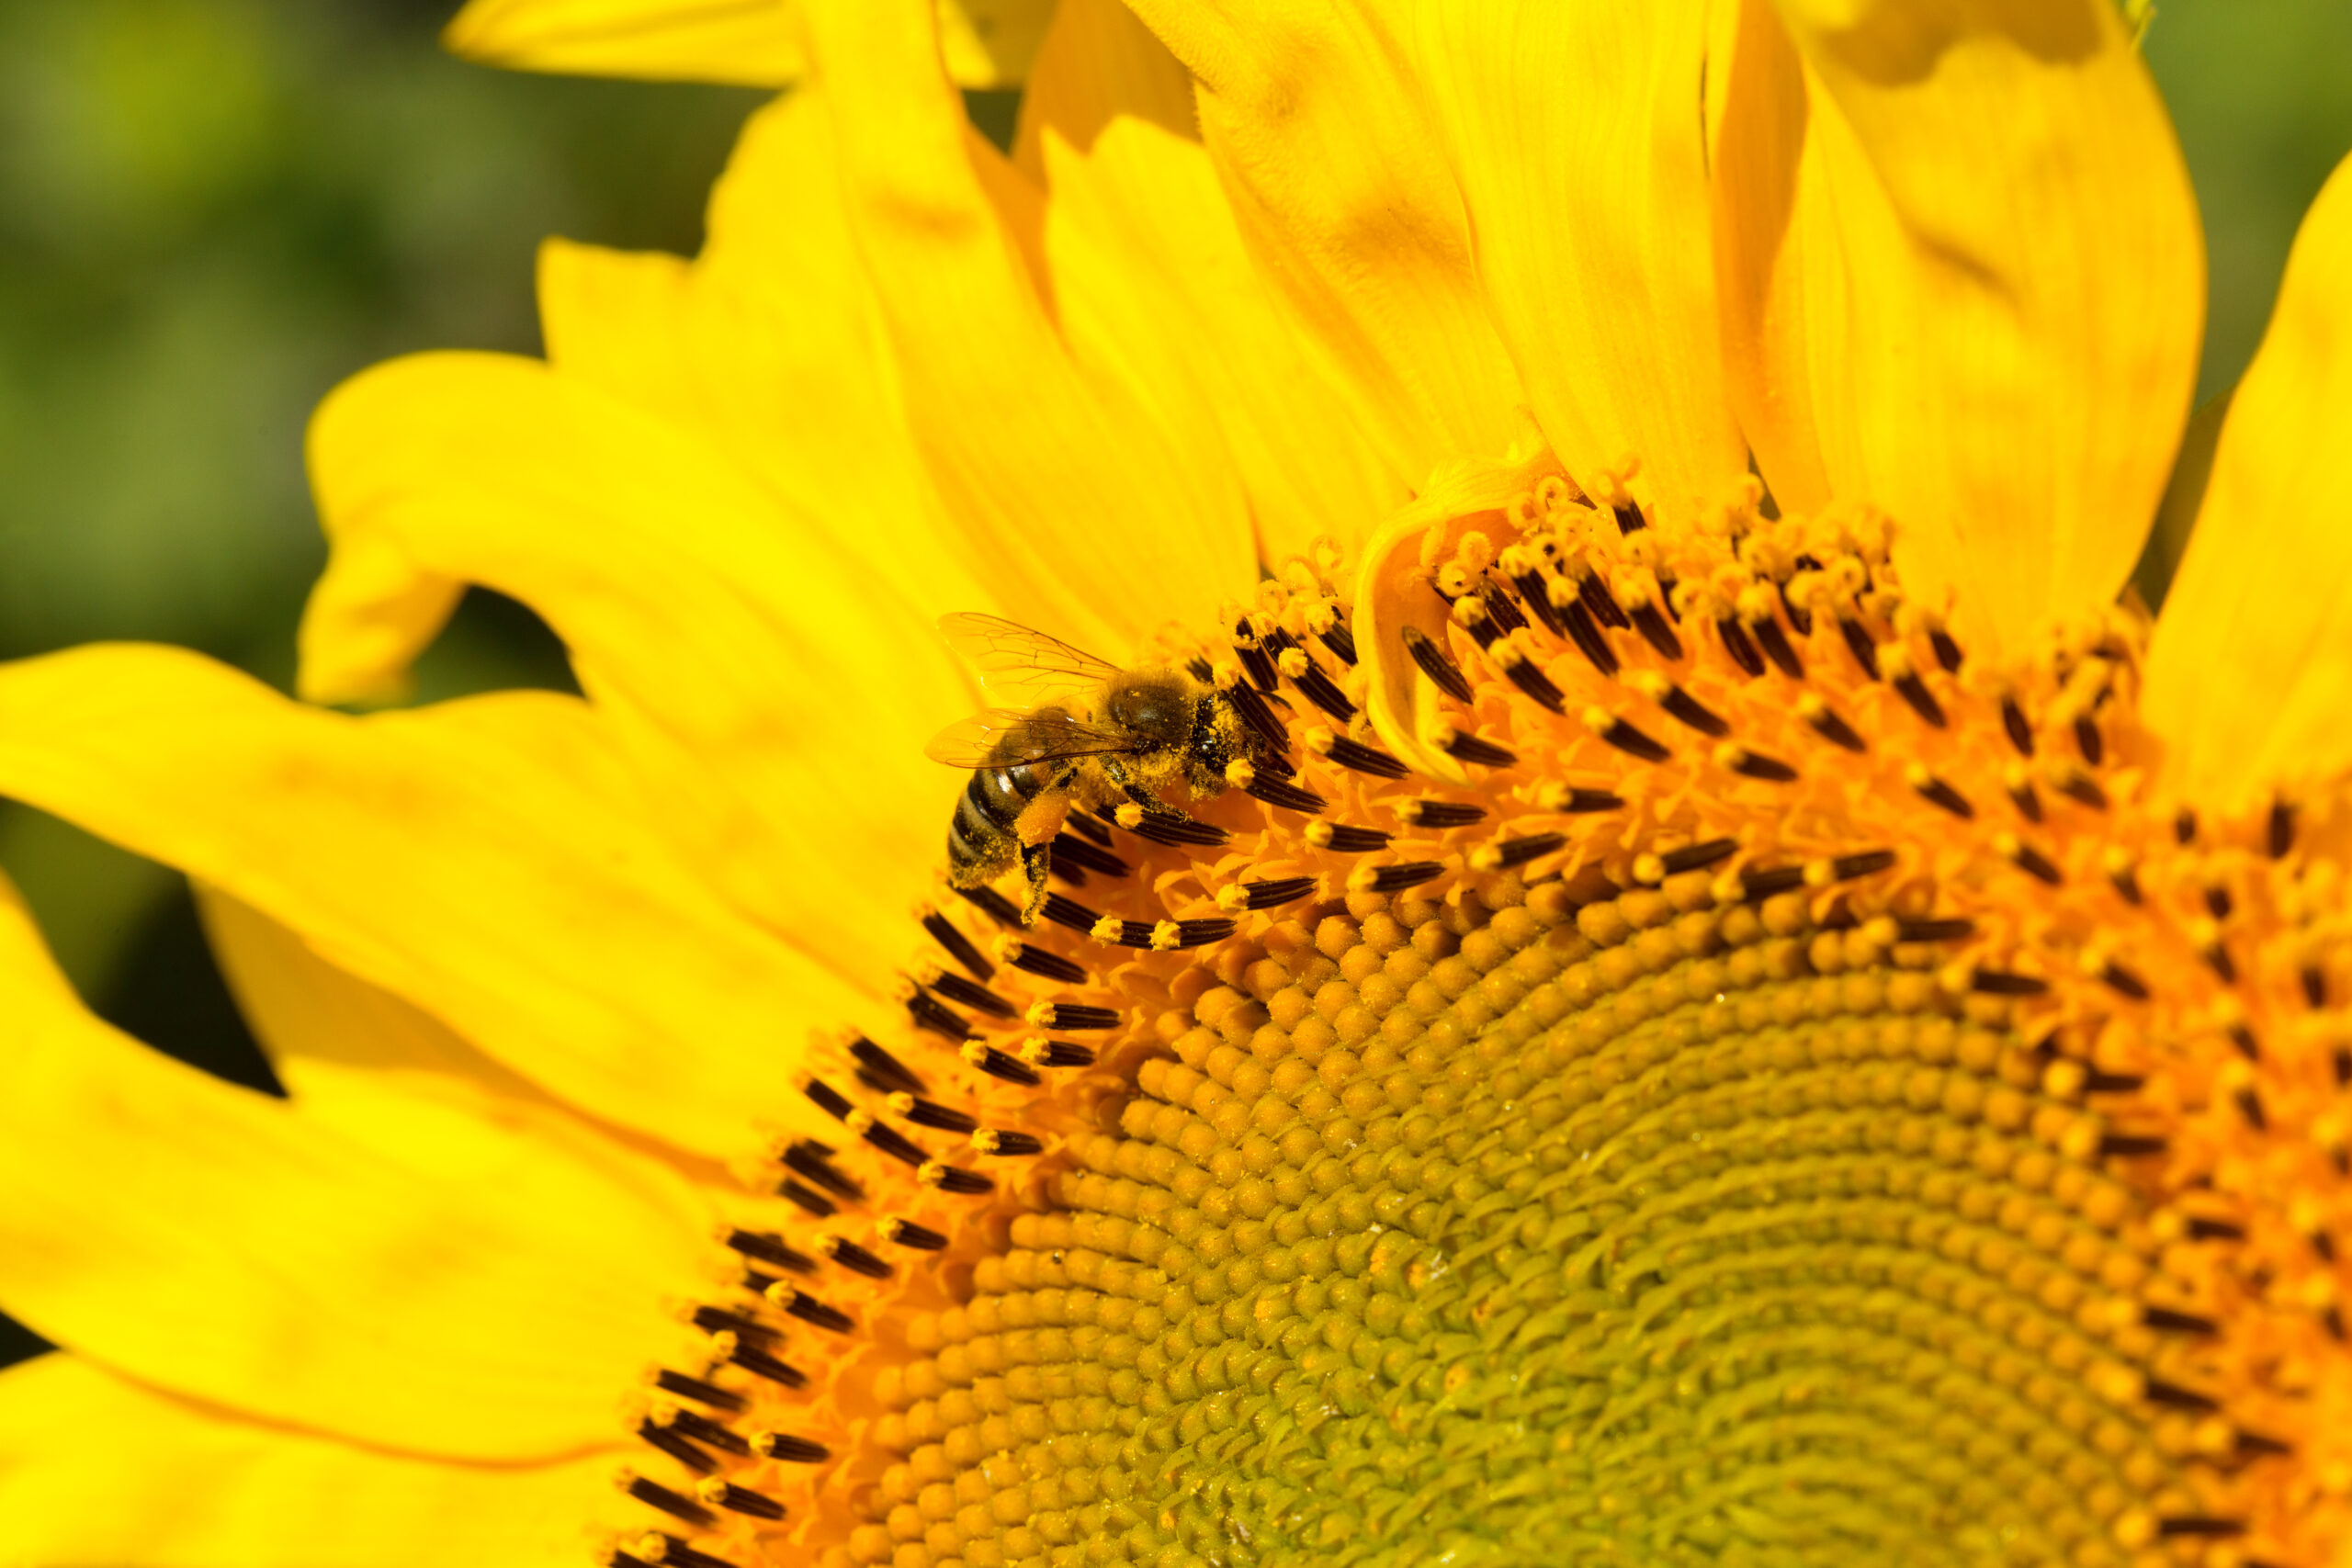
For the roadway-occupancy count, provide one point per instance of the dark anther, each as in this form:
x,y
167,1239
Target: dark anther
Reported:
x,y
1439,813
2217,900
1915,692
2013,720
1777,647
1698,857
1289,797
885,1068
1442,672
703,1429
1736,643
1954,929
2201,1526
617,1557
906,1232
1465,747
709,1394
2130,1146
1584,802
2034,863
1177,828
2202,1229
1011,1069
928,1011
1484,628
1349,841
1601,604
1004,1141
1937,793
1341,641
677,1447
1692,712
2084,789
2332,1319
1756,765
1859,643
2123,982
959,946
742,1500
895,1144
795,1451
1032,959
760,1364
808,1309
2001,983
1405,875
2250,1107
2126,881
1363,759
718,1320
1316,687
2217,957
1131,933
1616,732
677,1504
1629,519
1538,686
2248,1046
1066,1054
1256,712
992,904
956,988
2282,837
1763,881
1090,857
1537,592
1255,659
2342,1063
2164,1320
2324,1245
1586,633
1833,730
962,1182
807,1159
1652,624
769,1249
1271,895
828,1099
2184,826
855,1258
1070,913
930,1113
1798,617
677,1553
2028,804
1870,863
1510,853
1077,1015
1088,825
2089,741
1196,934
2255,1443
1946,650
2179,1398
2314,981
2096,1082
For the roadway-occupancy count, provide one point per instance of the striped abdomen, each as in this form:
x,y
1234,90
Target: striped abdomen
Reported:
x,y
984,835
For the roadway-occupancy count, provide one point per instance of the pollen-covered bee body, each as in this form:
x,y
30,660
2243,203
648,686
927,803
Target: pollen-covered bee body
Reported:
x,y
1105,737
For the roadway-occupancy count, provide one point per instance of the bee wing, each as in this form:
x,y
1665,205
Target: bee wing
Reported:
x,y
980,741
1020,667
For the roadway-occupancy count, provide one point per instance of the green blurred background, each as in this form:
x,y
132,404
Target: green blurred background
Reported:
x,y
213,211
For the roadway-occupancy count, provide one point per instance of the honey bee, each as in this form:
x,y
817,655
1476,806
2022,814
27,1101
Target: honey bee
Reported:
x,y
1087,731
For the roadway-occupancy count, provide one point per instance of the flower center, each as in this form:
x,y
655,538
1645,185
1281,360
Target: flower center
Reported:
x,y
1708,1077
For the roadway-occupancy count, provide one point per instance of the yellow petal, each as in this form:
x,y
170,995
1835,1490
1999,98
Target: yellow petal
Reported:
x,y
753,660
2250,671
485,1300
985,43
1982,284
479,860
1147,265
1576,137
1342,188
1035,450
95,1468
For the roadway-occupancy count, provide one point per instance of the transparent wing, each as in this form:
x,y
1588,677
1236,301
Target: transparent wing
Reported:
x,y
995,738
1019,667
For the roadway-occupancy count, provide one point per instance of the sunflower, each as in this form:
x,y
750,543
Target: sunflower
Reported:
x,y
1665,974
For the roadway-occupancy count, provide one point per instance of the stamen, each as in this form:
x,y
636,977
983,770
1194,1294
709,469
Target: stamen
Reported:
x,y
1438,813
695,1388
2088,740
738,1499
1827,724
795,1303
997,1065
1509,853
1031,959
770,1248
853,1258
1068,848
959,947
1736,643
1444,673
1859,643
1342,838
1394,878
1465,747
1612,731
677,1504
2019,785
2013,721
1074,1015
1937,793
1679,703
1750,765
788,1449
906,1232
1289,797
1568,800
1353,755
887,1070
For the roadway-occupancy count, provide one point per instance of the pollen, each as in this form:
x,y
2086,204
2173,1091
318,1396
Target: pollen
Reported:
x,y
1717,1076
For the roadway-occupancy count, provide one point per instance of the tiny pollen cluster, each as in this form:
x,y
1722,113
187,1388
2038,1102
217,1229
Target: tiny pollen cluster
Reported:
x,y
1759,1088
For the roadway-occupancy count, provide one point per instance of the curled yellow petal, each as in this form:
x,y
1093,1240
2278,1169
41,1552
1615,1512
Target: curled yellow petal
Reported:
x,y
2250,671
217,1242
97,1469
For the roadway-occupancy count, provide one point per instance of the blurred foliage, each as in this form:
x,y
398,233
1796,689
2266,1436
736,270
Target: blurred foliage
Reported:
x,y
213,211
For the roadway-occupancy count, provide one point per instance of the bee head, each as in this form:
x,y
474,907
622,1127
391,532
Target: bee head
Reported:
x,y
1152,707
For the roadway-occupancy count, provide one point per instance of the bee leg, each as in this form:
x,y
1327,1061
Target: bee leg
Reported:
x,y
1037,860
1152,804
